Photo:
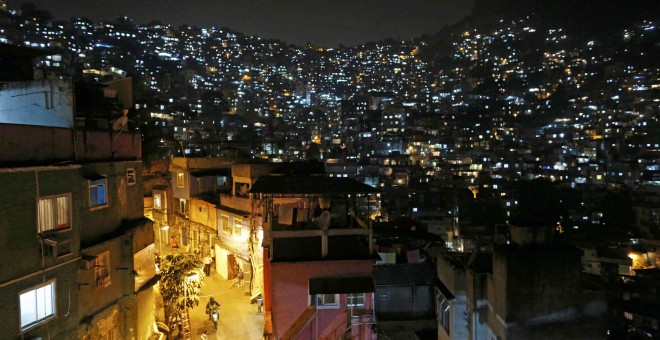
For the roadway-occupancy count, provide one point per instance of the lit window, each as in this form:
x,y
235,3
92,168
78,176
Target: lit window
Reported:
x,y
179,179
97,193
225,224
355,300
37,305
102,270
325,301
238,226
183,206
158,201
130,176
54,212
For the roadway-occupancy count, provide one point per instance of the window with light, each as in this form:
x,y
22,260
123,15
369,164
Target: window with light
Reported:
x,y
158,201
54,212
37,305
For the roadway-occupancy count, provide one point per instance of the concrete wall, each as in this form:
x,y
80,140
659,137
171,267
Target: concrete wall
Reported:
x,y
18,226
145,313
235,202
119,269
203,212
290,291
404,291
25,144
125,202
46,102
63,326
536,291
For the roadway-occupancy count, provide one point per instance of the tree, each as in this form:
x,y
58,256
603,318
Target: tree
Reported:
x,y
180,280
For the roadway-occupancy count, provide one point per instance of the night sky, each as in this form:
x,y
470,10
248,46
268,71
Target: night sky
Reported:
x,y
326,23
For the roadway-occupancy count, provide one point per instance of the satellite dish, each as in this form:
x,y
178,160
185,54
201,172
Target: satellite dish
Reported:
x,y
120,123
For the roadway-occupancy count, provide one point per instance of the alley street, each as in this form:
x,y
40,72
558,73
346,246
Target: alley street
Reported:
x,y
238,317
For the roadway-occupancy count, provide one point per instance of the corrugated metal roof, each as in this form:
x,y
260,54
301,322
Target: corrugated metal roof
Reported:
x,y
310,185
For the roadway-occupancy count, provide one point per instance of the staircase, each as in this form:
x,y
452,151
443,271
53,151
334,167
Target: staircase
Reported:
x,y
300,323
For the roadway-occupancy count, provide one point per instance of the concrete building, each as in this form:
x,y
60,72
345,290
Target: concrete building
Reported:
x,y
77,254
194,181
318,257
535,291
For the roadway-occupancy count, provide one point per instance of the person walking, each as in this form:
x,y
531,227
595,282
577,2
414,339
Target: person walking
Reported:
x,y
207,265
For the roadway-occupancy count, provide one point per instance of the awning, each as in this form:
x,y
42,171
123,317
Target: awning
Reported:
x,y
341,285
211,172
93,176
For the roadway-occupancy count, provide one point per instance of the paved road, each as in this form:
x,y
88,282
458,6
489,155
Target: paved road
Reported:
x,y
238,317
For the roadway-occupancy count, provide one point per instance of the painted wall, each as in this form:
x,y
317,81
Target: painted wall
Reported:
x,y
290,291
45,102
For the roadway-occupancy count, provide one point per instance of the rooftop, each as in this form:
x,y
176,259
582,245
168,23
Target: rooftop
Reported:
x,y
309,185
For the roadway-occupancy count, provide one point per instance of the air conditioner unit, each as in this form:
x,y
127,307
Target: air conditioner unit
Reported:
x,y
57,248
87,262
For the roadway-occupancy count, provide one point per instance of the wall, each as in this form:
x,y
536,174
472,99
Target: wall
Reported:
x,y
145,313
290,290
121,280
46,102
64,326
18,225
125,202
221,266
235,202
49,145
404,291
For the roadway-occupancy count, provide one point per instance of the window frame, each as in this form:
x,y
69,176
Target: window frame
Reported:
x,y
158,206
444,313
324,305
238,226
90,187
55,229
226,227
131,176
53,304
180,180
183,206
355,296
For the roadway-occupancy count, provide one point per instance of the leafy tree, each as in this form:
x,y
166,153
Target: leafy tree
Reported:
x,y
180,280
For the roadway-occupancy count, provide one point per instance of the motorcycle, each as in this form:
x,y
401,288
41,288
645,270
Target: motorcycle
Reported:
x,y
215,315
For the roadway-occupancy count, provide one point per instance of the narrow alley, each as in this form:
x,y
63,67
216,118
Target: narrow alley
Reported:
x,y
239,318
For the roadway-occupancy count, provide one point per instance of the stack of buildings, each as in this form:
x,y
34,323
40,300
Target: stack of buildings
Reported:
x,y
78,252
